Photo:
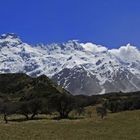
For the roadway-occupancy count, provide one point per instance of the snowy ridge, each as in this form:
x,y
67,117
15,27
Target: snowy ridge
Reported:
x,y
94,69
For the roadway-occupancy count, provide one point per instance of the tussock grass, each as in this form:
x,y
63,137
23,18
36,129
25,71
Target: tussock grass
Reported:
x,y
117,126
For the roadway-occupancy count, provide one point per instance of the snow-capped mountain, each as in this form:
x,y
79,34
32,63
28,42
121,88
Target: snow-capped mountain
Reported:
x,y
82,68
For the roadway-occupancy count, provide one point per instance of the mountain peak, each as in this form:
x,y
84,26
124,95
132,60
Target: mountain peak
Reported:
x,y
128,45
9,38
9,35
72,44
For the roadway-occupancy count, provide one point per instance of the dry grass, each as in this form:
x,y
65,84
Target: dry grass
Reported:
x,y
118,126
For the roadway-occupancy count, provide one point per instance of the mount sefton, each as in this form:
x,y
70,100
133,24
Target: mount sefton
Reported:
x,y
81,68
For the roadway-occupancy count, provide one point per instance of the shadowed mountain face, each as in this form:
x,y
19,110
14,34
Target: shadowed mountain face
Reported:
x,y
81,68
20,85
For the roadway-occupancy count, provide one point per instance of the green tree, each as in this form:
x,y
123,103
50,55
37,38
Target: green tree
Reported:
x,y
63,104
8,108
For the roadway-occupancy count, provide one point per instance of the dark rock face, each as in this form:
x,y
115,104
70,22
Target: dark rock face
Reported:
x,y
78,81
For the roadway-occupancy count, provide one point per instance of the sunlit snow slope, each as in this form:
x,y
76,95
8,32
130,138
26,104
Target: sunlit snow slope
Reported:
x,y
82,68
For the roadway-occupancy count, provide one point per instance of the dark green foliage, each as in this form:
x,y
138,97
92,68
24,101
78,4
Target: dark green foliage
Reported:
x,y
32,107
24,109
83,101
20,86
8,108
122,104
35,107
63,104
13,83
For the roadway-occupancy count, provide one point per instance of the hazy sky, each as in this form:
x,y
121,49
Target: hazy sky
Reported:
x,y
107,22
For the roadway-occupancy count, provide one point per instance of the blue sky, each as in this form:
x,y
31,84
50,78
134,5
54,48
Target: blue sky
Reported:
x,y
107,22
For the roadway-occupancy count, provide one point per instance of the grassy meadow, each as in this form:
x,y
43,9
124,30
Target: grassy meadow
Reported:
x,y
116,126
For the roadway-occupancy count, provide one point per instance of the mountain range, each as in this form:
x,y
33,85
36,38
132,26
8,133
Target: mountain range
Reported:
x,y
81,68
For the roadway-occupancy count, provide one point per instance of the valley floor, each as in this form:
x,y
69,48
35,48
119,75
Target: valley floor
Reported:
x,y
117,126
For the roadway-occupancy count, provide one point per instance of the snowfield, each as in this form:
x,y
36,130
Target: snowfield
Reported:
x,y
82,68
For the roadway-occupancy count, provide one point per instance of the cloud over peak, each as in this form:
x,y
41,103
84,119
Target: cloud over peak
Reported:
x,y
93,47
126,53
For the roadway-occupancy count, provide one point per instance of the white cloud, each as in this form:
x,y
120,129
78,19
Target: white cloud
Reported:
x,y
93,47
126,53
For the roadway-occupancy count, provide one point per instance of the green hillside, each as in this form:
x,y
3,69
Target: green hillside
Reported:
x,y
19,85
